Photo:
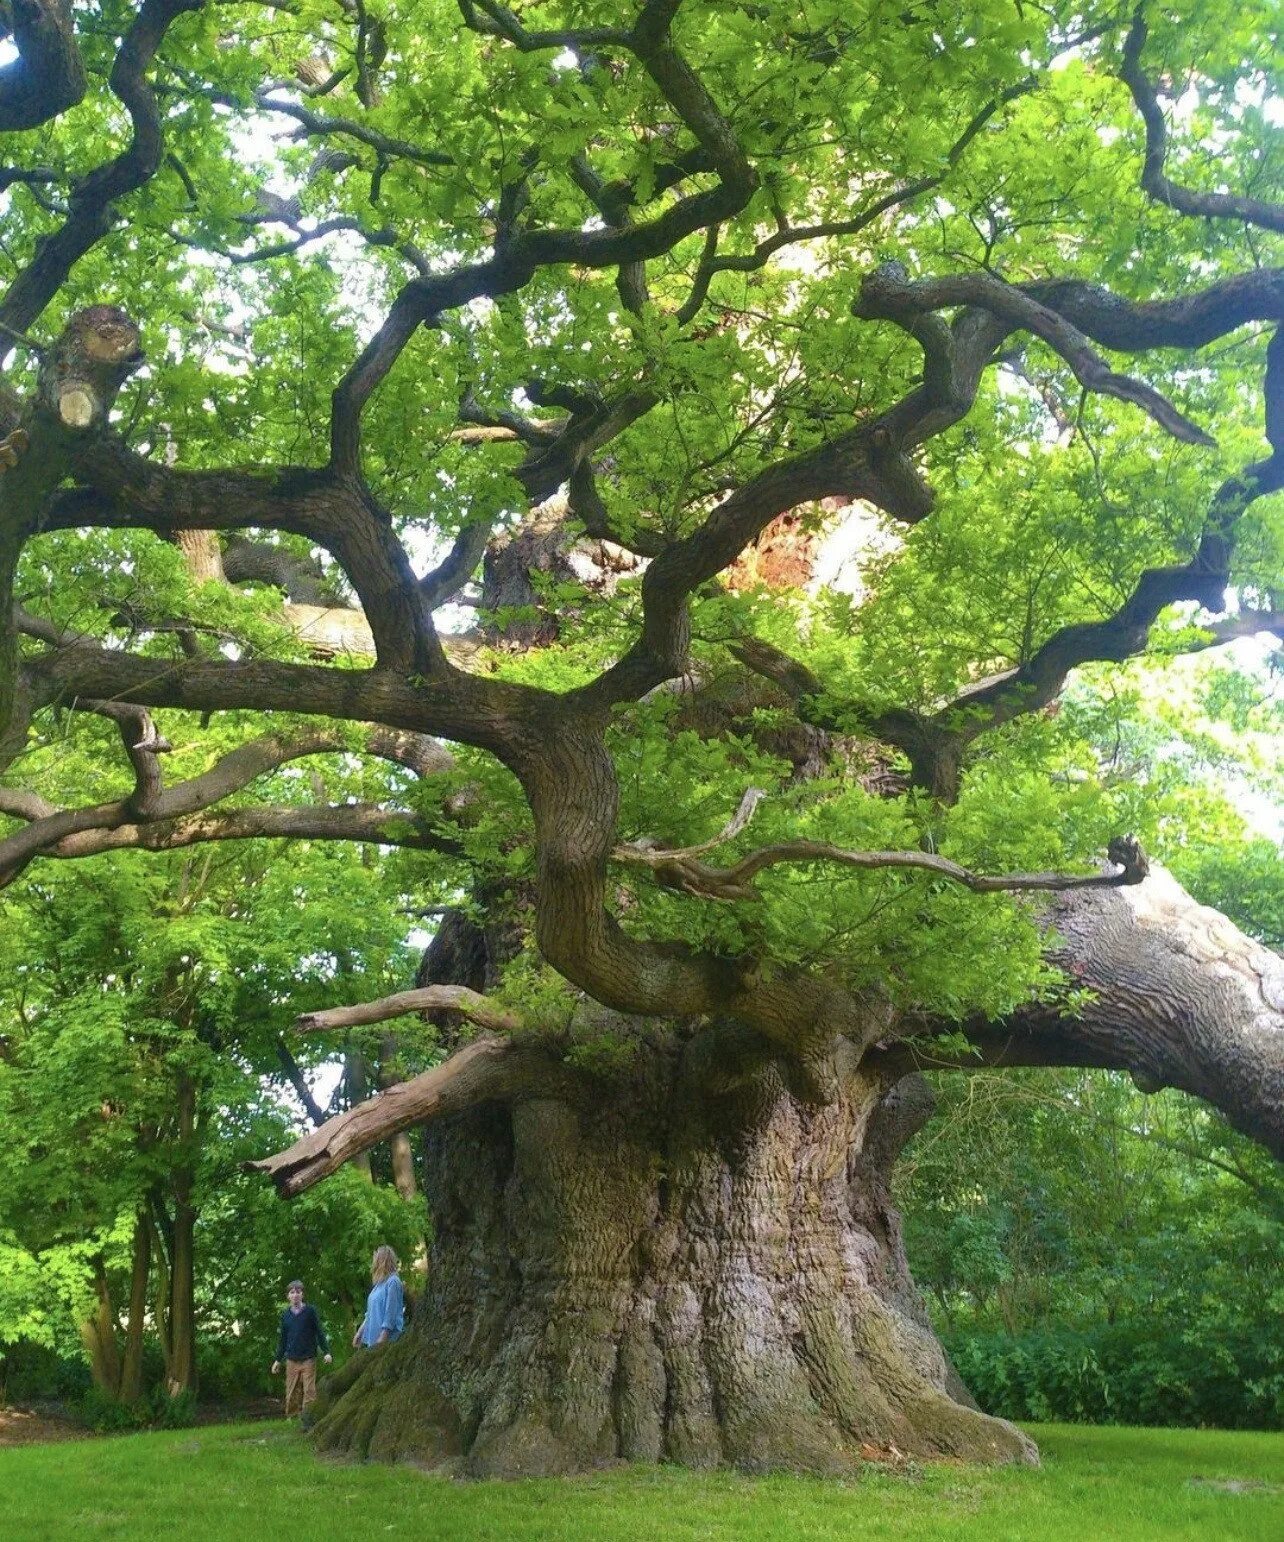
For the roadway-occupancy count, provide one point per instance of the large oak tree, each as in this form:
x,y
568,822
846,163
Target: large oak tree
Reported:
x,y
321,312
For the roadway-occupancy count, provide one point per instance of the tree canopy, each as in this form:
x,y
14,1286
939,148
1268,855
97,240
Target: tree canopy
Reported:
x,y
699,493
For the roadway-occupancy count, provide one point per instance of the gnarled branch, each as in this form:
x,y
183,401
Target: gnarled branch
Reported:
x,y
429,998
490,1068
92,200
1154,179
156,818
679,869
889,295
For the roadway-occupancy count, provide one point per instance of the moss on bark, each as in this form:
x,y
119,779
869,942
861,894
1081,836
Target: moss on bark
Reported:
x,y
679,1269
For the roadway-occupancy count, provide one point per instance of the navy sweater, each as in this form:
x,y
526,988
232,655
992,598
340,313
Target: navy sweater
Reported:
x,y
301,1333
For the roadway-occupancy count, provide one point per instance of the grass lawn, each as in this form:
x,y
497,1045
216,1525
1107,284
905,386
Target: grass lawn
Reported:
x,y
244,1482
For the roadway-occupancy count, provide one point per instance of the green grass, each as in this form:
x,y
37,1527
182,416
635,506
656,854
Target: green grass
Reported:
x,y
246,1482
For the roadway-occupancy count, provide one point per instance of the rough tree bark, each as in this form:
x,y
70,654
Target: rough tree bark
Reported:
x,y
691,1262
180,1369
399,1147
1176,995
697,1259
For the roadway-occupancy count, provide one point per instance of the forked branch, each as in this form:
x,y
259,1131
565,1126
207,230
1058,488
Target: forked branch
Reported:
x,y
891,296
157,818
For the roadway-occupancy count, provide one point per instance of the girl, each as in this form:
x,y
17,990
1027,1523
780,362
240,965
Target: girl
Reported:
x,y
385,1307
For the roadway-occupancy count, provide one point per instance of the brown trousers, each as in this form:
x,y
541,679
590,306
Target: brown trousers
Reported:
x,y
300,1385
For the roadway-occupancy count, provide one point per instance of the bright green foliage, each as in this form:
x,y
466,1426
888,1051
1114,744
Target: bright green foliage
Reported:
x,y
1095,1255
1090,1253
128,975
1037,491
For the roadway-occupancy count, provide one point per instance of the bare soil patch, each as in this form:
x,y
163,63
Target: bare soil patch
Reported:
x,y
39,1423
28,1426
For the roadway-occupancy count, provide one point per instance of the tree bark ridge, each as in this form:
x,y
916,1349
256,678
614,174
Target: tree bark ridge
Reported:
x,y
694,1266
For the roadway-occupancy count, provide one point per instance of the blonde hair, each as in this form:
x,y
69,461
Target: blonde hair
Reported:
x,y
384,1263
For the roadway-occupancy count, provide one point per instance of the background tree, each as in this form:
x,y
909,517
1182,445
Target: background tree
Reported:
x,y
147,1063
1090,1252
592,302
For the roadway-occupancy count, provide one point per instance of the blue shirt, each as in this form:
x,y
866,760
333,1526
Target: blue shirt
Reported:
x,y
385,1312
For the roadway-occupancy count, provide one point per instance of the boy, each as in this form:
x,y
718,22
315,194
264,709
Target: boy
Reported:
x,y
301,1334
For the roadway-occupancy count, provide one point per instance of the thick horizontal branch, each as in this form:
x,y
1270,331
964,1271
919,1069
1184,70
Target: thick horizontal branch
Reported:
x,y
127,490
157,818
475,710
90,832
1184,321
431,998
1171,991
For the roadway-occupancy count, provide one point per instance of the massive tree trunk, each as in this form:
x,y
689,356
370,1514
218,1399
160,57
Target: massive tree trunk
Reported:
x,y
698,1260
691,1264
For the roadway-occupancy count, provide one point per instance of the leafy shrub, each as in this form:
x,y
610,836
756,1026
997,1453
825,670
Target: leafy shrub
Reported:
x,y
106,1416
231,1368
155,1411
170,1413
32,1373
1126,1373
